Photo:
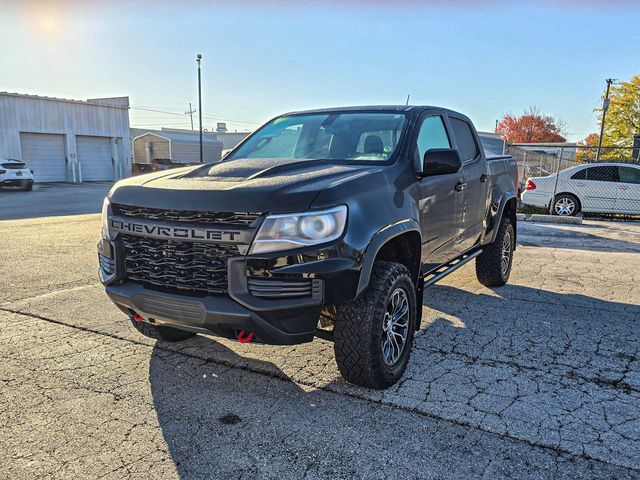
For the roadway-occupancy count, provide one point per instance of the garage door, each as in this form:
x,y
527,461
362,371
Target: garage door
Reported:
x,y
44,154
94,155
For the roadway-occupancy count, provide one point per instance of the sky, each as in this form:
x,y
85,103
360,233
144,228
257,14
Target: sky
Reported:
x,y
260,59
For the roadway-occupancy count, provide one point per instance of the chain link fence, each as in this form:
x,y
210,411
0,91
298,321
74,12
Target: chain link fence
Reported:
x,y
569,179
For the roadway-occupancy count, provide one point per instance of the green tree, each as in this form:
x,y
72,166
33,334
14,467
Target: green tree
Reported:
x,y
623,118
622,123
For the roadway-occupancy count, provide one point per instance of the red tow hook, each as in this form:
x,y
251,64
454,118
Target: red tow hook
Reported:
x,y
244,337
138,318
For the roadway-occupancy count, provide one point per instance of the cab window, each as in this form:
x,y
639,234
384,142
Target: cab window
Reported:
x,y
465,139
432,134
606,173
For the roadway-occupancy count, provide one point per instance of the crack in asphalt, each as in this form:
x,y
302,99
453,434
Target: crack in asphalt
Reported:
x,y
337,391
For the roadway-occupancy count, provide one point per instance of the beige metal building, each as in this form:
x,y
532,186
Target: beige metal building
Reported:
x,y
65,140
180,146
229,139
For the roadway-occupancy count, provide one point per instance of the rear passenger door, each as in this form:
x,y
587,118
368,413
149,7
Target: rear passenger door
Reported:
x,y
600,189
628,199
474,199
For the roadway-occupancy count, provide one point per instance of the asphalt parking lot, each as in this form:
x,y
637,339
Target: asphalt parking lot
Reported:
x,y
537,379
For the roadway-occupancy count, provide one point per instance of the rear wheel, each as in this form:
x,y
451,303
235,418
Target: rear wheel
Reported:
x,y
168,334
27,186
566,205
373,335
493,265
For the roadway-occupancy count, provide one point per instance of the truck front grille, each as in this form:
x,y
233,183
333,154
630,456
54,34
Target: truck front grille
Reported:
x,y
186,216
183,267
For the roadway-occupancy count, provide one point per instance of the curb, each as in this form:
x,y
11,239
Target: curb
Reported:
x,y
555,219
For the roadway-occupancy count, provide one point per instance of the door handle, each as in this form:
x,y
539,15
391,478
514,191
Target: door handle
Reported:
x,y
483,178
580,184
623,188
460,186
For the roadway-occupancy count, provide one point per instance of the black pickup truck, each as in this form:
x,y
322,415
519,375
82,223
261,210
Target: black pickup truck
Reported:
x,y
326,223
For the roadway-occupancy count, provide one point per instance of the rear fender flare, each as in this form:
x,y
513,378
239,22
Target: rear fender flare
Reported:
x,y
494,217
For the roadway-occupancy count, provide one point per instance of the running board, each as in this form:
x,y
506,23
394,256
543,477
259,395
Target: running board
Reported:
x,y
447,268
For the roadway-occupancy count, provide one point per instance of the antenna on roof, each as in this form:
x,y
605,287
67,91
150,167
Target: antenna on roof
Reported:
x,y
408,97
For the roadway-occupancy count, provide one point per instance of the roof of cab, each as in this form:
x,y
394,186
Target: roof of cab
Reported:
x,y
372,108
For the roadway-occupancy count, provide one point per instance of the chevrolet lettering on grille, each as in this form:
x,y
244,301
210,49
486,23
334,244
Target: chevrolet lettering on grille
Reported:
x,y
182,232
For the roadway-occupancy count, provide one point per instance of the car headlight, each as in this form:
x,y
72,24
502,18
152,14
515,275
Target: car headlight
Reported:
x,y
105,218
295,230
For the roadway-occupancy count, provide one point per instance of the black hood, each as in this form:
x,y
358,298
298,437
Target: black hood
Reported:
x,y
244,185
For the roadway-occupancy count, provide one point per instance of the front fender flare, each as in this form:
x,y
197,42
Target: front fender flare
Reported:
x,y
381,237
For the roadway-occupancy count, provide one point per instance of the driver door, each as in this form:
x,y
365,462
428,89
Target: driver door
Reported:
x,y
438,200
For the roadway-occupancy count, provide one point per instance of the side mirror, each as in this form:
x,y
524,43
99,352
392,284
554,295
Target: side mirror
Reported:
x,y
441,161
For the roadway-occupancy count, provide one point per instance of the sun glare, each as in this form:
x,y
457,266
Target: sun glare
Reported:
x,y
47,23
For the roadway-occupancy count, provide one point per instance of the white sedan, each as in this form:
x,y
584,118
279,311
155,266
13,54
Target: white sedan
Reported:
x,y
14,173
598,188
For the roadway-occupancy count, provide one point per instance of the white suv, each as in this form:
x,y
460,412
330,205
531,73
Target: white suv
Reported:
x,y
594,187
15,173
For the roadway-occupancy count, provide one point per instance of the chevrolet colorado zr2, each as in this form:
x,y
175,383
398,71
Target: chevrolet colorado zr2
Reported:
x,y
325,223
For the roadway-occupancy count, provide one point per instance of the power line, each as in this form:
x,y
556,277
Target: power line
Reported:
x,y
157,111
251,122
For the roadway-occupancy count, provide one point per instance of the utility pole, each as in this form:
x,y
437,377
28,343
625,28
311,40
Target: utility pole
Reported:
x,y
190,112
605,107
198,58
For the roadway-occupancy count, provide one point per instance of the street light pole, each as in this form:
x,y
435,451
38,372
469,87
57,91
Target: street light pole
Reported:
x,y
198,58
605,107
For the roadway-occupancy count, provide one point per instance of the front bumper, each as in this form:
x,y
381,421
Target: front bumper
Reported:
x,y
333,271
218,315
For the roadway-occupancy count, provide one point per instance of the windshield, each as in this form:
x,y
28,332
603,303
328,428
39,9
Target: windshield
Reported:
x,y
345,136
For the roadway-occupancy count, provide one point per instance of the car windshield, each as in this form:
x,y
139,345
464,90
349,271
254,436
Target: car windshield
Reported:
x,y
343,136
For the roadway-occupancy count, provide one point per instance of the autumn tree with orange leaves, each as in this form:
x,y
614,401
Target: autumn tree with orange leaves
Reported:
x,y
531,127
586,154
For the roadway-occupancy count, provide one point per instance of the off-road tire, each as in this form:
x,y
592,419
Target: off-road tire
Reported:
x,y
156,332
358,330
489,263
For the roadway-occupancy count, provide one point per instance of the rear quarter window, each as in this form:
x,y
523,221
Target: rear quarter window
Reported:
x,y
581,175
465,139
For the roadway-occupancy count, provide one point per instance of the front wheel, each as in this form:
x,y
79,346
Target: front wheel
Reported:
x,y
373,335
493,265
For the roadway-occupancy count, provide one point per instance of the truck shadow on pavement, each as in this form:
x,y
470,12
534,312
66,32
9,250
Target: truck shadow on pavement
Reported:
x,y
227,422
468,304
221,420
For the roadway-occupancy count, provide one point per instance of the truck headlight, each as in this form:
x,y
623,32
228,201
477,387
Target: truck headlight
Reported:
x,y
295,230
105,218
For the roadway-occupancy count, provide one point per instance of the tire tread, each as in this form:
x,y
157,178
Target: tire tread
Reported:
x,y
354,340
488,266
